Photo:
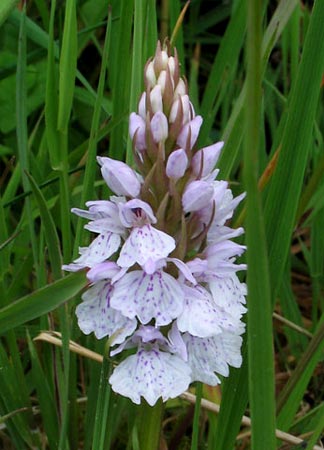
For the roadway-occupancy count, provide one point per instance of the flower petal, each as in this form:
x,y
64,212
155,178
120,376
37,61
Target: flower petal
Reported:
x,y
135,212
222,233
144,335
201,316
176,343
104,216
157,296
213,354
229,294
225,205
223,251
151,374
98,251
95,315
103,271
184,269
197,195
144,244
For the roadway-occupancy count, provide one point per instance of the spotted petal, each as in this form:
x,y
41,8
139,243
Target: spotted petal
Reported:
x,y
201,316
95,315
98,251
104,216
213,354
157,296
151,374
229,293
145,244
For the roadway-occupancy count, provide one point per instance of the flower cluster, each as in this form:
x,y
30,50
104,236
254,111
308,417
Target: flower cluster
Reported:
x,y
162,268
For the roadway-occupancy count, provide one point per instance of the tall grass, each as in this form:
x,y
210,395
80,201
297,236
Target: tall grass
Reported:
x,y
70,74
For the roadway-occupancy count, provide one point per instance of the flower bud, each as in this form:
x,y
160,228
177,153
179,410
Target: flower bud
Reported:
x,y
142,106
174,110
137,125
165,59
156,99
186,109
177,164
171,64
159,127
197,195
162,80
180,89
150,75
120,178
204,161
191,127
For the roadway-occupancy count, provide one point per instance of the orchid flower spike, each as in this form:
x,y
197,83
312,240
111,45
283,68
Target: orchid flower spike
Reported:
x,y
162,267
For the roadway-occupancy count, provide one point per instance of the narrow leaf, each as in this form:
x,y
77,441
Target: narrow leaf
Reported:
x,y
41,301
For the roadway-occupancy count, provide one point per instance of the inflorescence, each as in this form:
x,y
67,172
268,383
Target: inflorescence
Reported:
x,y
162,268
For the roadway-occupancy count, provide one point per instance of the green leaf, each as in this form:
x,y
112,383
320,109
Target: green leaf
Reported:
x,y
45,397
287,180
52,240
6,7
41,301
102,409
292,394
51,101
260,339
68,63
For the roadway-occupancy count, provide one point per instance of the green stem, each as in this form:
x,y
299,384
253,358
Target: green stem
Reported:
x,y
195,427
149,425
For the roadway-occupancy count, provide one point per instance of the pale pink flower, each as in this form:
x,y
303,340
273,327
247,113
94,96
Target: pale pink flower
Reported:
x,y
121,179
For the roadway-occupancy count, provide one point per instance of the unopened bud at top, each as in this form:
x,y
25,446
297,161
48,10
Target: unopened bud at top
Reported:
x,y
171,64
150,75
187,110
181,88
162,80
142,106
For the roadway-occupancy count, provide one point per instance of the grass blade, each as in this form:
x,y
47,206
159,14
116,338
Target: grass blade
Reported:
x,y
52,240
104,391
137,63
68,62
260,341
5,9
45,398
292,394
41,301
288,177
